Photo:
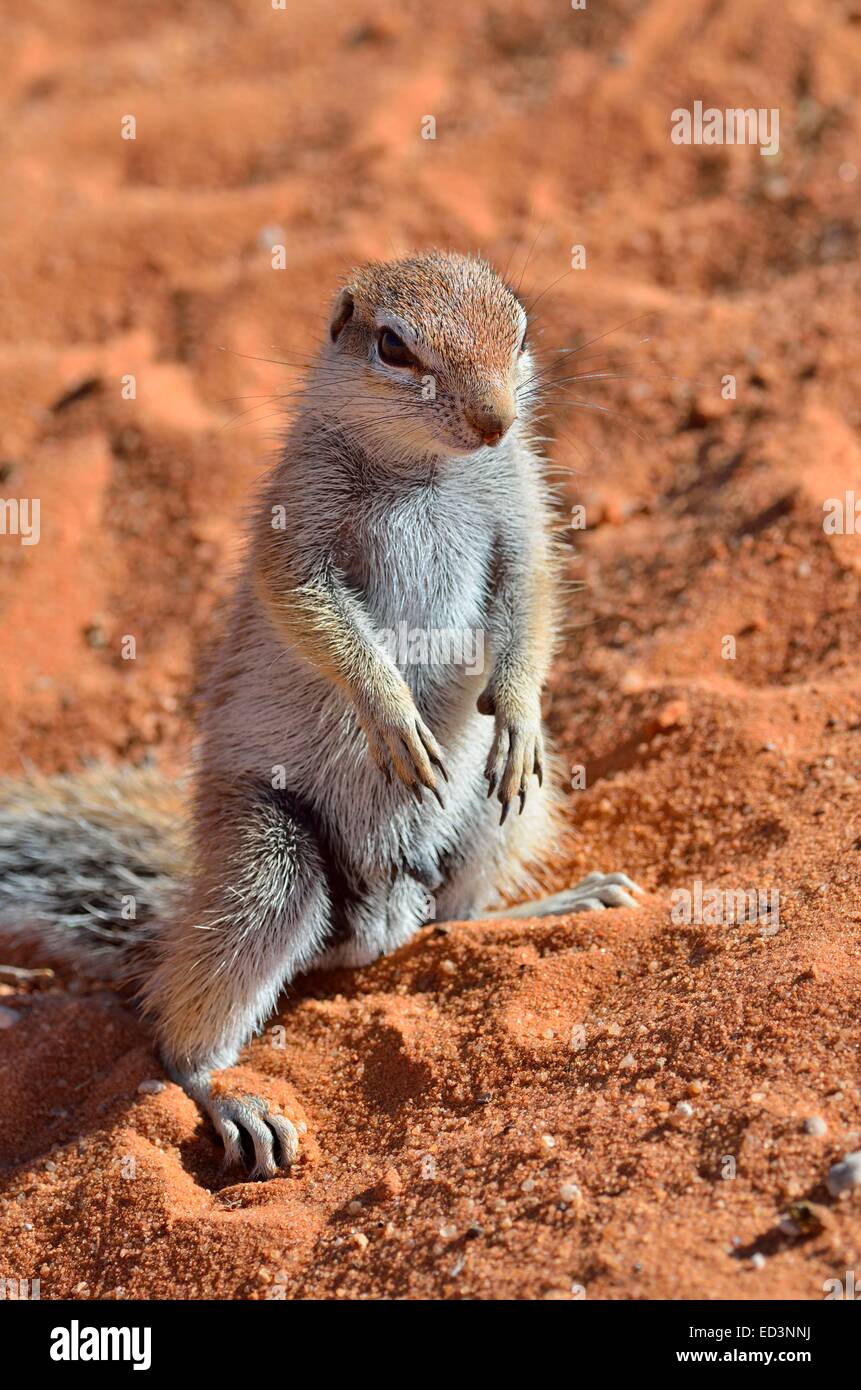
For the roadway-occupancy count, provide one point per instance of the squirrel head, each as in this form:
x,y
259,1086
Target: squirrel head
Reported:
x,y
427,356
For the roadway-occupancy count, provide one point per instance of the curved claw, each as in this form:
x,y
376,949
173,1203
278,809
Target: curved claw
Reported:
x,y
407,751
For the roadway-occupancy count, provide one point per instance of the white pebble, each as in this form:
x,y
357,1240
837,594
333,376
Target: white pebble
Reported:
x,y
758,1260
845,1175
816,1126
151,1088
271,236
684,1108
569,1192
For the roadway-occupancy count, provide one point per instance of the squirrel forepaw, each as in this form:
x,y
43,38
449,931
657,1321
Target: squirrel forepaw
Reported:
x,y
403,744
517,752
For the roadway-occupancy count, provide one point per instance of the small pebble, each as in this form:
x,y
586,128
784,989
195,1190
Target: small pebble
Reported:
x,y
271,235
845,1175
388,1188
816,1126
151,1088
758,1260
684,1108
569,1192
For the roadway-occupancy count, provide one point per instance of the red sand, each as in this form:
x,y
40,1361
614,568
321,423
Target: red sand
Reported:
x,y
446,1105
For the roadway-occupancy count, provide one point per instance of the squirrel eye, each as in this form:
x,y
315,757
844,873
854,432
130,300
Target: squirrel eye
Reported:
x,y
523,339
393,350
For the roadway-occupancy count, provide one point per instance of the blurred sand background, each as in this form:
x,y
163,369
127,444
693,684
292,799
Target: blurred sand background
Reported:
x,y
460,1147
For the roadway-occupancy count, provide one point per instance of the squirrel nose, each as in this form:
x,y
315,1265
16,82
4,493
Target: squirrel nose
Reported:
x,y
490,422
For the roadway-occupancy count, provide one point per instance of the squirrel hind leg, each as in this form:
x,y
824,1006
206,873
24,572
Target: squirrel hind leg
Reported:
x,y
258,914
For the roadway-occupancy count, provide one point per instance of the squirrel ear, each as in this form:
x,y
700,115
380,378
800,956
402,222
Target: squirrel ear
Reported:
x,y
341,314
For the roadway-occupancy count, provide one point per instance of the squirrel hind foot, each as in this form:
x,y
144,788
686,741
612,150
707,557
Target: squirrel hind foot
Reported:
x,y
593,893
246,1124
254,1134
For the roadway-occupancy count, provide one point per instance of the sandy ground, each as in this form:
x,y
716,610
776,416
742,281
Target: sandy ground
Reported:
x,y
615,1102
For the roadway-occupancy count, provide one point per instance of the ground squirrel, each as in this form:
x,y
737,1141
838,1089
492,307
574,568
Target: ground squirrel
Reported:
x,y
339,782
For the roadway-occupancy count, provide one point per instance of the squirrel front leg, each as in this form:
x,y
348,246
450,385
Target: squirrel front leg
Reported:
x,y
326,624
523,641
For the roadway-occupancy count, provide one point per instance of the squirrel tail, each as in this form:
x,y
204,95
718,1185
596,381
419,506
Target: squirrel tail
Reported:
x,y
90,864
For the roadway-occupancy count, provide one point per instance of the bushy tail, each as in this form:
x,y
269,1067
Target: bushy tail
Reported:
x,y
89,863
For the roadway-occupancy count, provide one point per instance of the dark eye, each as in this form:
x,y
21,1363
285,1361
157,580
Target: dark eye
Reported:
x,y
523,339
394,351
